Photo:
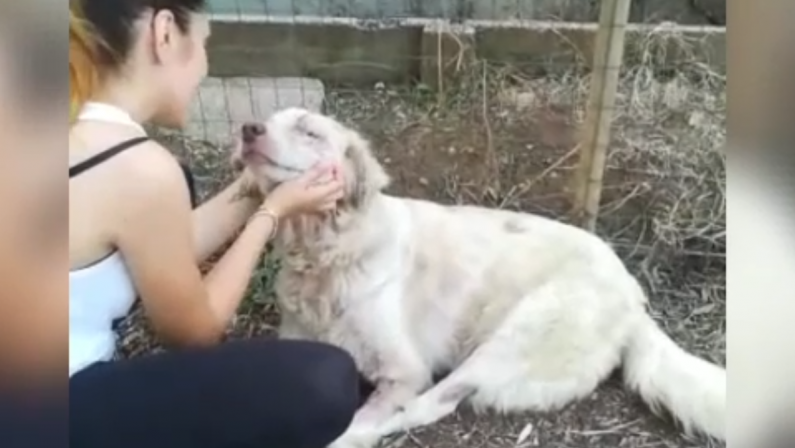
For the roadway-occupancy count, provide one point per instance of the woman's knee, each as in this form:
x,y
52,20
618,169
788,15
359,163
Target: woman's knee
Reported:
x,y
316,385
334,380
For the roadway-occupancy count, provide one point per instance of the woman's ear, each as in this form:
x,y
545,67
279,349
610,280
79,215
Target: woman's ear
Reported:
x,y
163,28
364,176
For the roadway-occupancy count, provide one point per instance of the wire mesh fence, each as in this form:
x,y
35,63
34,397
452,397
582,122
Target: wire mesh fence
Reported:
x,y
482,103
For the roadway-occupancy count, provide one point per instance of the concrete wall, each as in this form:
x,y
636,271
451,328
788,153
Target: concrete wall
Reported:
x,y
696,12
360,53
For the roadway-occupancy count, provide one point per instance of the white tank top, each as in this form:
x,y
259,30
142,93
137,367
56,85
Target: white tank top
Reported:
x,y
100,293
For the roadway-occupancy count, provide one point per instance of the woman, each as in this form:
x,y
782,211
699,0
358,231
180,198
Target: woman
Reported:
x,y
132,233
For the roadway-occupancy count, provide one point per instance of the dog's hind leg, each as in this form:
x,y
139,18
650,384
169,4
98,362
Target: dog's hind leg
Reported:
x,y
545,354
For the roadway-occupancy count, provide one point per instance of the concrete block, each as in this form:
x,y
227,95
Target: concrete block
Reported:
x,y
714,11
342,52
223,105
357,53
533,45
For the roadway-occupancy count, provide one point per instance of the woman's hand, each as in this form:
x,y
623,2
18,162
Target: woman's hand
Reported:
x,y
317,190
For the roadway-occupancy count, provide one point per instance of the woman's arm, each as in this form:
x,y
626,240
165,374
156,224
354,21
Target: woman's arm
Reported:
x,y
157,238
228,280
218,219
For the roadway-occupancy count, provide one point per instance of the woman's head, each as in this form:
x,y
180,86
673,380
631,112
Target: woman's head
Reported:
x,y
148,54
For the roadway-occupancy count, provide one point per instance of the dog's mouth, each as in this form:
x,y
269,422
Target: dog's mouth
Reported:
x,y
268,160
259,157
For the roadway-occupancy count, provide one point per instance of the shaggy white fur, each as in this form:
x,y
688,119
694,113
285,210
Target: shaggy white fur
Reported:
x,y
526,312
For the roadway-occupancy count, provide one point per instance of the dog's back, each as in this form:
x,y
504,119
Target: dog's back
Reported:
x,y
470,267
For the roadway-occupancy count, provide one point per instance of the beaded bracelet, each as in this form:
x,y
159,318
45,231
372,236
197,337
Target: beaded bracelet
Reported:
x,y
264,211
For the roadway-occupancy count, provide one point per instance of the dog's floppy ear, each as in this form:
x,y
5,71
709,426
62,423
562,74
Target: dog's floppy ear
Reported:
x,y
364,176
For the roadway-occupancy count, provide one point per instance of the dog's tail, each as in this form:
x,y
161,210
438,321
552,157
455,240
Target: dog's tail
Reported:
x,y
691,389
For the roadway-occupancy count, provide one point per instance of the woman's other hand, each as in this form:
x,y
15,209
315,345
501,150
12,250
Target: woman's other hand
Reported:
x,y
317,190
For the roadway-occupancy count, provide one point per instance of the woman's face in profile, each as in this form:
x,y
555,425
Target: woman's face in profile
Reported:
x,y
183,66
34,225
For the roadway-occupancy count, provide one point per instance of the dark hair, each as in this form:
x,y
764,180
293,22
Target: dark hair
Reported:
x,y
101,37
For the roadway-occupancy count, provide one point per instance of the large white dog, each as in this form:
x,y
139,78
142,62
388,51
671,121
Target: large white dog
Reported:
x,y
526,312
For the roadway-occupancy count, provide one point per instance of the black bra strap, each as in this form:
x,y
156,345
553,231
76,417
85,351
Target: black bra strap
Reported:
x,y
104,155
194,197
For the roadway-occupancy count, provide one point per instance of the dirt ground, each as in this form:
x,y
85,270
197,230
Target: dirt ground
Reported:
x,y
507,142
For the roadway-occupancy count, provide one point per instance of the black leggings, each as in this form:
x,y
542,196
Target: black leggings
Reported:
x,y
255,393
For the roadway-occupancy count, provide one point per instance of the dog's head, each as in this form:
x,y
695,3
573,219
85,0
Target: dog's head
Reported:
x,y
293,140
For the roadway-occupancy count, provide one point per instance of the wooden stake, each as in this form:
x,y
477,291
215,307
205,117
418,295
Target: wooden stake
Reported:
x,y
607,59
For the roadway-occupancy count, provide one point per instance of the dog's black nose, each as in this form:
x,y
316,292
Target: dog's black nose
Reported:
x,y
251,131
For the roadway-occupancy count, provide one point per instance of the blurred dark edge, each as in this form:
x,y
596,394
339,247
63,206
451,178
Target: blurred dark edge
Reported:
x,y
34,420
761,68
38,50
33,34
783,436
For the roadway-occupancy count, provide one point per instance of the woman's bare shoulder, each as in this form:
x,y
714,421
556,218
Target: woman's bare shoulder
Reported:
x,y
150,171
121,193
147,179
147,160
151,162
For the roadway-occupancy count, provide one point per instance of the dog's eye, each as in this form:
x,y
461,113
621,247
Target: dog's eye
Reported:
x,y
311,135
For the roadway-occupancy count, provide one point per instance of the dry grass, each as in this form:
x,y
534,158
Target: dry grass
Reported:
x,y
501,138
